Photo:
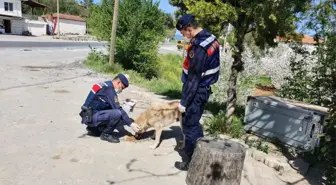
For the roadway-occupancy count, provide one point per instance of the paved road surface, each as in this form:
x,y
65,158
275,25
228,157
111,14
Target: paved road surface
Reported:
x,y
68,45
38,44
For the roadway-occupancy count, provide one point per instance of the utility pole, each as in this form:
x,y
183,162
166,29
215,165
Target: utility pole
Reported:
x,y
58,28
113,32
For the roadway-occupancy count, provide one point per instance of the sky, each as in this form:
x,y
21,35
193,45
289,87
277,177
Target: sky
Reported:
x,y
166,7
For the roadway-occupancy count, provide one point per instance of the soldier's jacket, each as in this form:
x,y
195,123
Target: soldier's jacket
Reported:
x,y
103,97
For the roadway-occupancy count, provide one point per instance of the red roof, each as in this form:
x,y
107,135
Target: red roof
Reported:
x,y
306,39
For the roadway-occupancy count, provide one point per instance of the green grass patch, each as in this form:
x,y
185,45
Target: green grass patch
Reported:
x,y
168,82
218,125
256,81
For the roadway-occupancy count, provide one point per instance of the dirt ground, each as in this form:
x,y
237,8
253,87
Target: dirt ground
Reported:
x,y
43,142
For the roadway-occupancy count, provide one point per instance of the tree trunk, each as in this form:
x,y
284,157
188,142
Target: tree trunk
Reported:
x,y
237,66
216,162
113,32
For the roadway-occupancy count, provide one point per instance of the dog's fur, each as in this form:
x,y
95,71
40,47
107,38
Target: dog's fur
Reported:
x,y
158,116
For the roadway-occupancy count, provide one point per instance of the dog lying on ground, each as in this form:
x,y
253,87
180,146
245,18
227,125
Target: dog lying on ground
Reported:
x,y
158,116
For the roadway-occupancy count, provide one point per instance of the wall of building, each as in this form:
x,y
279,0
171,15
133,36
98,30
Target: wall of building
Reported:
x,y
36,28
17,26
16,8
71,27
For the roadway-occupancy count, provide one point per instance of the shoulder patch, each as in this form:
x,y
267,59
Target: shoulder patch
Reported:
x,y
191,54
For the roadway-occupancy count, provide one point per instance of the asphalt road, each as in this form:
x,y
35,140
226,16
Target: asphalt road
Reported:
x,y
165,48
38,44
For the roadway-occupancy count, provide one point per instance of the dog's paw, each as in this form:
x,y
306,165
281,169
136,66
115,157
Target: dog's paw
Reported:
x,y
153,146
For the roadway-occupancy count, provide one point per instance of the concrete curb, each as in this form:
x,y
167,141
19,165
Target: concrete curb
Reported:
x,y
267,160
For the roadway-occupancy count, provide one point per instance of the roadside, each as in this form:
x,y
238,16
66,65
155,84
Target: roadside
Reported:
x,y
8,37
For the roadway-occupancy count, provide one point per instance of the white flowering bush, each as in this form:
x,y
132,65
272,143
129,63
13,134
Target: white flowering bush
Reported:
x,y
274,63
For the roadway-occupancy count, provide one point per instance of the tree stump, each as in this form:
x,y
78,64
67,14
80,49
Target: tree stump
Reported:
x,y
216,162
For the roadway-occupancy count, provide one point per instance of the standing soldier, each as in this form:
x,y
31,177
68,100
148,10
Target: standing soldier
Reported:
x,y
200,70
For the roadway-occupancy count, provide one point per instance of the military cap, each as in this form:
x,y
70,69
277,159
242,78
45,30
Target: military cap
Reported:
x,y
184,21
123,79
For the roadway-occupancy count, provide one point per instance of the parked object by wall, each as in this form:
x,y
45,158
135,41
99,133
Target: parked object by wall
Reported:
x,y
68,24
293,123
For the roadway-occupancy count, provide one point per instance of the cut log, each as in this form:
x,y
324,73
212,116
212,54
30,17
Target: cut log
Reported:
x,y
216,162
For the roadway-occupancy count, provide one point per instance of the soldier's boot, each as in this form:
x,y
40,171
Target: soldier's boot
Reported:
x,y
107,135
93,131
183,166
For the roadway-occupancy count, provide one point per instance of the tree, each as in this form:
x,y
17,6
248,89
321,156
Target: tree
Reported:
x,y
66,6
113,32
141,26
170,25
264,19
320,79
182,7
329,86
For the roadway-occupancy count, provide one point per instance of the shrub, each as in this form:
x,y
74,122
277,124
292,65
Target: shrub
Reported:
x,y
217,125
141,26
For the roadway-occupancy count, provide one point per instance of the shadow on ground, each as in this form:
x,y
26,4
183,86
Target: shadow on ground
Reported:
x,y
174,132
147,174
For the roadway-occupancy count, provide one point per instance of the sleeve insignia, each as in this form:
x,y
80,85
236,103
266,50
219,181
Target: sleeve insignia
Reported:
x,y
116,100
191,54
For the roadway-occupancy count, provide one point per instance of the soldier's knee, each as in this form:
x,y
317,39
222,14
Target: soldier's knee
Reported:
x,y
116,114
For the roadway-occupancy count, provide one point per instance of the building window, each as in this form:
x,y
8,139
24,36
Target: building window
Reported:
x,y
8,6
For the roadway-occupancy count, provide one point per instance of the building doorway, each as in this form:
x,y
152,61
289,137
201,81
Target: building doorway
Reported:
x,y
8,26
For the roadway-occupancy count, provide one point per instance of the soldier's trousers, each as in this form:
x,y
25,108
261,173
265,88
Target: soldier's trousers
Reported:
x,y
107,119
191,119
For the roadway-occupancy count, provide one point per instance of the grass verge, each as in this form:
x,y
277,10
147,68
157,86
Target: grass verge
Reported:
x,y
168,82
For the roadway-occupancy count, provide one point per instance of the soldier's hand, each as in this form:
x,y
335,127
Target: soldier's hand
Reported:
x,y
182,108
135,127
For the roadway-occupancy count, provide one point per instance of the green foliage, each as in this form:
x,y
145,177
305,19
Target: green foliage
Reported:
x,y
182,7
100,20
327,78
141,26
170,26
265,19
211,14
65,6
317,85
217,125
167,82
299,86
258,144
169,21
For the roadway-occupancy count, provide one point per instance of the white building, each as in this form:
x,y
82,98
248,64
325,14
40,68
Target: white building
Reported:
x,y
11,16
14,22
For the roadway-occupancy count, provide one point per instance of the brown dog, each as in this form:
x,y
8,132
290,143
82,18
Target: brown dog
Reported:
x,y
158,116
